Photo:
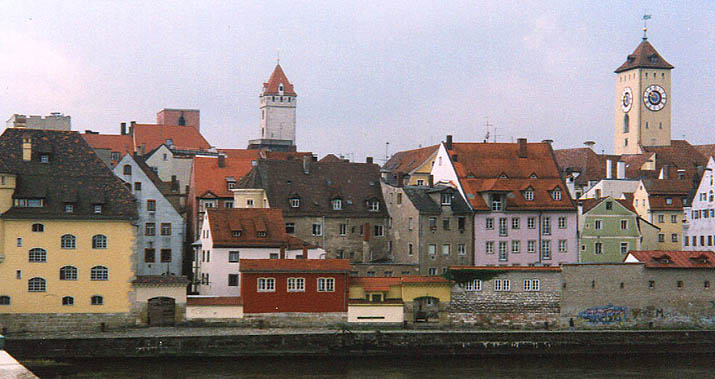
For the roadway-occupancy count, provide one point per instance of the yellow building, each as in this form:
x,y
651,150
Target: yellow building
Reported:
x,y
410,167
660,202
66,234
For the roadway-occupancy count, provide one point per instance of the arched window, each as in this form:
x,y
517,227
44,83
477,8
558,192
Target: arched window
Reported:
x,y
127,169
38,255
99,273
4,300
68,300
97,300
99,241
625,124
68,241
38,228
68,273
37,285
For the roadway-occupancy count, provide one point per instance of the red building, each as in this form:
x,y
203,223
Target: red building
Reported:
x,y
295,285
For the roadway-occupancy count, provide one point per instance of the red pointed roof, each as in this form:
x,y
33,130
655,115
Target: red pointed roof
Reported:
x,y
278,77
646,56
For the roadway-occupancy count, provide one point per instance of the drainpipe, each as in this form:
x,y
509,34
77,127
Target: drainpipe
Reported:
x,y
539,240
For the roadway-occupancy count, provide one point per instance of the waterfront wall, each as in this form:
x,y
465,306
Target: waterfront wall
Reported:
x,y
392,343
61,322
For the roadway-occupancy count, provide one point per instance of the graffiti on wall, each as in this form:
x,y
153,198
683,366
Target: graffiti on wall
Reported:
x,y
606,315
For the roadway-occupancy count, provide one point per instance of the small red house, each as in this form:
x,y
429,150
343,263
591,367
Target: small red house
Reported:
x,y
295,285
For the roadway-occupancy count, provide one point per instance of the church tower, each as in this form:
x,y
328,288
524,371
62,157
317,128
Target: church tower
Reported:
x,y
643,105
278,102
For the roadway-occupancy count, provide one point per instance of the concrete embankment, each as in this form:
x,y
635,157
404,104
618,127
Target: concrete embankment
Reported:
x,y
364,343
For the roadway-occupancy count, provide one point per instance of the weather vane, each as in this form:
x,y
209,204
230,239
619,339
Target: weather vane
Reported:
x,y
646,17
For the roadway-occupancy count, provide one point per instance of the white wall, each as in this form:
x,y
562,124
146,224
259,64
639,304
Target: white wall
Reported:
x,y
389,313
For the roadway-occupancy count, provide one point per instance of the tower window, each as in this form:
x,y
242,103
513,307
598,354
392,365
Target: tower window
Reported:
x,y
625,124
646,124
625,142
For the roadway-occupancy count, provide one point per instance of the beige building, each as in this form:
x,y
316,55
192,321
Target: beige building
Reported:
x,y
55,121
660,202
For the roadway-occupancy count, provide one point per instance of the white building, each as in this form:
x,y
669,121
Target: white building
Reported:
x,y
699,217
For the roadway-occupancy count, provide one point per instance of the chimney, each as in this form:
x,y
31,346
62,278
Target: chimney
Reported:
x,y
26,149
589,144
306,164
283,252
221,161
314,158
132,124
549,141
305,250
522,147
400,180
609,169
449,142
431,181
123,128
665,173
621,170
368,160
454,157
142,150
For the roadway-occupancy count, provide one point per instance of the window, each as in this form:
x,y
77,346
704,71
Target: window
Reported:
x,y
379,231
597,225
274,256
290,227
295,202
515,221
445,249
373,205
651,284
68,241
489,223
706,284
127,169
661,237
326,284
502,285
149,255
399,198
116,156
266,284
432,250
609,205
669,200
30,203
546,226
166,255
529,195
531,246
317,229
598,248
556,194
503,254
432,271
296,284
371,274
149,229
461,223
562,222
97,208
497,204
99,241
531,285
502,226
68,273
445,223
151,205
674,218
4,300
388,274
228,204
489,247
661,219
474,285
433,223
679,284
233,280
674,237
515,247
446,199
531,222
38,228
165,229
545,249
409,249
342,229
36,285
461,249
410,223
233,256
137,186
38,255
97,300
249,203
563,246
337,204
19,242
99,273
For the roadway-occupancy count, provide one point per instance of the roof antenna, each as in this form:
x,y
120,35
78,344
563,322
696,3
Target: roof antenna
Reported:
x,y
646,17
486,137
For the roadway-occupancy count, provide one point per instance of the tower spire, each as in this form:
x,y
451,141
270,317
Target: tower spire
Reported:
x,y
646,17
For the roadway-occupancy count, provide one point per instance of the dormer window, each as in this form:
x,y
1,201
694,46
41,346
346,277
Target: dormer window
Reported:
x,y
295,202
236,233
529,194
337,204
44,158
533,176
446,199
98,208
503,176
69,208
280,88
261,234
556,194
497,203
669,200
29,203
373,205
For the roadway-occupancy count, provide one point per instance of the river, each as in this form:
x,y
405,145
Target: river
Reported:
x,y
655,366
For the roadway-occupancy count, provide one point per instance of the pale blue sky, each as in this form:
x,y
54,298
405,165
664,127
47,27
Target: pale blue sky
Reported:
x,y
407,72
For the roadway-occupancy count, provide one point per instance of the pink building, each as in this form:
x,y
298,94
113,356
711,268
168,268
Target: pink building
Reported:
x,y
523,213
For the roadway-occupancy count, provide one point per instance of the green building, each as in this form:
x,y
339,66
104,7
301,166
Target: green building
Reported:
x,y
609,228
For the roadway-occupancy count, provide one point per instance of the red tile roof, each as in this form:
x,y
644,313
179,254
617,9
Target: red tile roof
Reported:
x,y
247,221
508,268
706,150
183,137
278,77
211,300
674,259
404,162
646,56
295,265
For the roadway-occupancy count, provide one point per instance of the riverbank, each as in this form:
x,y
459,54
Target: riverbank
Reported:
x,y
245,342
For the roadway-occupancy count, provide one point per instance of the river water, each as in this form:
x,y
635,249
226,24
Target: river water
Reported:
x,y
656,366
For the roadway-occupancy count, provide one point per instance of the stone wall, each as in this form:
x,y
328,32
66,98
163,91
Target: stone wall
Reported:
x,y
295,319
18,323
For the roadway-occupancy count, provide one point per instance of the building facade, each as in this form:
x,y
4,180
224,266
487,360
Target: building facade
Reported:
x,y
699,220
661,202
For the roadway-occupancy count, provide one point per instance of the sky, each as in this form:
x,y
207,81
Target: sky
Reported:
x,y
367,73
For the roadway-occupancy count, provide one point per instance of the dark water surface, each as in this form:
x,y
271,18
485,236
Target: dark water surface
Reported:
x,y
656,366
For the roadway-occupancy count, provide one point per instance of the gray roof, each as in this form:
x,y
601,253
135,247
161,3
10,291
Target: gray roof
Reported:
x,y
421,199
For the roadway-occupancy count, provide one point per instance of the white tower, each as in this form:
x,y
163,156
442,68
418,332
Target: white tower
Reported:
x,y
278,102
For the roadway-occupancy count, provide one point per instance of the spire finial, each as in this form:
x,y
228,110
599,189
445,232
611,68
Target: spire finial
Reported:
x,y
278,57
646,17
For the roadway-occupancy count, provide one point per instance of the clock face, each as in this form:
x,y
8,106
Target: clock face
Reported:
x,y
654,98
627,99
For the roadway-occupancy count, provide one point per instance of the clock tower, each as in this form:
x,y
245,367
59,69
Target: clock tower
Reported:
x,y
643,101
